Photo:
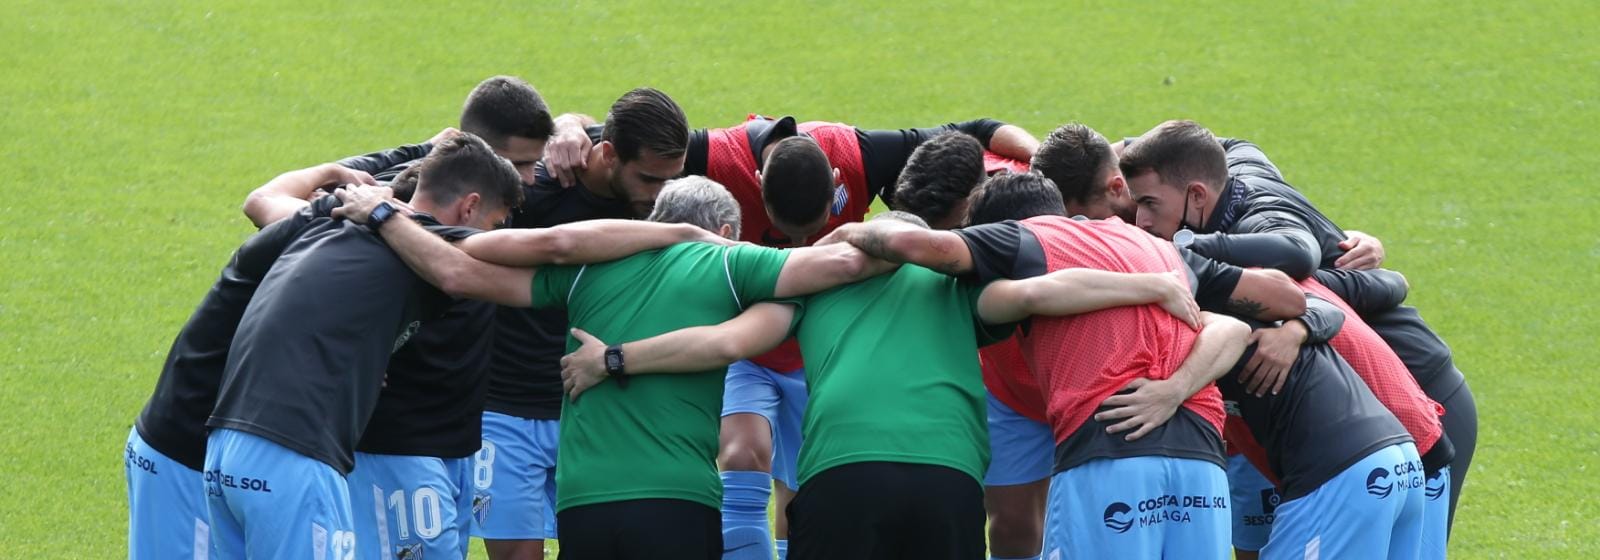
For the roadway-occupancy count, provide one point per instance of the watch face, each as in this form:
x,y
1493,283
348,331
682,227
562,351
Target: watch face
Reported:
x,y
613,361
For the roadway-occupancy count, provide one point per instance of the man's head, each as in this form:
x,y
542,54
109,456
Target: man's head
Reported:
x,y
1176,173
699,201
797,184
510,115
938,177
462,182
1080,162
1014,196
900,216
644,144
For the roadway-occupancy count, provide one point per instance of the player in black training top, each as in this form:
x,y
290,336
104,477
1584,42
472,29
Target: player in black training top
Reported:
x,y
166,448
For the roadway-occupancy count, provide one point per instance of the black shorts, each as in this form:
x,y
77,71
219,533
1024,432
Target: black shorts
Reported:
x,y
643,529
886,510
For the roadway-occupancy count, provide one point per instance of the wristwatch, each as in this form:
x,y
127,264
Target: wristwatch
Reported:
x,y
614,365
380,214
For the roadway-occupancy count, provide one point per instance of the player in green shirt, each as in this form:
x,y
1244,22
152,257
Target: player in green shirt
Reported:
x,y
896,441
636,475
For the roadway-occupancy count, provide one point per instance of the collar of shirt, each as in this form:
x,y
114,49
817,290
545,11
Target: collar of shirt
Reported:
x,y
1229,206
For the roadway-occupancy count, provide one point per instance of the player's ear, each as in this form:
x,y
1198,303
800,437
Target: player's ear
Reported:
x,y
726,231
1197,193
470,205
836,175
608,153
1117,185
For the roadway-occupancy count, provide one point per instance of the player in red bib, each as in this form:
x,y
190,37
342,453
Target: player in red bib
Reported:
x,y
1083,362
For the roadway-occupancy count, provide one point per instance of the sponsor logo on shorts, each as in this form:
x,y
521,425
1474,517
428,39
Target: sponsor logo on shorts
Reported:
x,y
480,506
1168,508
1378,483
408,552
1119,517
216,480
137,461
1269,507
1381,482
1435,488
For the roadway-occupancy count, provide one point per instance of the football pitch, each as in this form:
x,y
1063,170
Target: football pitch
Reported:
x,y
1463,134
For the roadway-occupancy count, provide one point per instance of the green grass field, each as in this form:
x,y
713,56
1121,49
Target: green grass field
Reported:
x,y
1462,133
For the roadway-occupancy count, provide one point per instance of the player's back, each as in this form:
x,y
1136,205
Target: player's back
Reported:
x,y
892,374
1083,359
1324,419
667,422
1387,377
308,360
173,421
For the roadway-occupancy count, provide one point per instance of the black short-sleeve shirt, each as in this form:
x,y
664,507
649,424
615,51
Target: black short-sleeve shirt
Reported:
x,y
174,419
307,363
525,359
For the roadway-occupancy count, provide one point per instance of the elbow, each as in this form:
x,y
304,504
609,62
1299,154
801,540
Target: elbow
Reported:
x,y
852,266
558,246
1287,299
1301,265
456,280
728,350
252,208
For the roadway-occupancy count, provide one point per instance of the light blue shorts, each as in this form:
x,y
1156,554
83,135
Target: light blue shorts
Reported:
x,y
1139,507
513,492
1374,509
1436,516
780,398
1255,504
411,507
268,502
166,505
1021,450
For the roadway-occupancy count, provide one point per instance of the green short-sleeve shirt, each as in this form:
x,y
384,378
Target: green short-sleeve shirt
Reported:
x,y
892,374
658,437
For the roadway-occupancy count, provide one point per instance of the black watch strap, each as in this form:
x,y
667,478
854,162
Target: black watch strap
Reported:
x,y
615,366
380,214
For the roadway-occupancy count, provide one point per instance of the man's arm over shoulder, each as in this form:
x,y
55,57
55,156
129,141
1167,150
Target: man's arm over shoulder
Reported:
x,y
377,162
1263,294
289,192
1367,291
809,270
584,242
903,243
1271,239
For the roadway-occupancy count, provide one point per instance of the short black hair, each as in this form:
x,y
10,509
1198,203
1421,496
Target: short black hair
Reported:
x,y
797,182
646,119
1076,159
1015,196
466,164
939,175
506,106
1178,152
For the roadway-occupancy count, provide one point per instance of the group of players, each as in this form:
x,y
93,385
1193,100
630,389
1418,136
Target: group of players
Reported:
x,y
1149,348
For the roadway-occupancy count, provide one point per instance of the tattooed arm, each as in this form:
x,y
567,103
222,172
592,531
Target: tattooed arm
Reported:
x,y
900,242
1264,294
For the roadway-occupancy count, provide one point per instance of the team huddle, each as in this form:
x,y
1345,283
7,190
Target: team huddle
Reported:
x,y
632,336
